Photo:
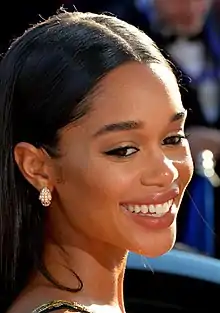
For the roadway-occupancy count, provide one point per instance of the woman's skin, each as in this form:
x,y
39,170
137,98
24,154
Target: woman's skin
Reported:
x,y
89,227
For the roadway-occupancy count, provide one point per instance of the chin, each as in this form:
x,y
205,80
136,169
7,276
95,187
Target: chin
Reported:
x,y
160,250
162,243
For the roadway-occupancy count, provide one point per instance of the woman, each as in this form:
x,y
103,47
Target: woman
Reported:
x,y
94,162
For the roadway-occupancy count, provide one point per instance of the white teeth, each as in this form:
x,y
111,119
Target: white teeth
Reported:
x,y
153,210
144,209
137,209
130,208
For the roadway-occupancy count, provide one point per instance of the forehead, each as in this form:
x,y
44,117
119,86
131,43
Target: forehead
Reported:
x,y
137,91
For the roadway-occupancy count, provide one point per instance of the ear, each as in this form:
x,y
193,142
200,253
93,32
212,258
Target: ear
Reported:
x,y
34,165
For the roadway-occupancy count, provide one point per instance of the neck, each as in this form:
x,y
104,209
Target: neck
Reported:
x,y
99,266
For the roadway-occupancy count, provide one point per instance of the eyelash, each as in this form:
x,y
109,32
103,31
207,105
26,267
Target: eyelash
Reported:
x,y
116,152
179,138
120,152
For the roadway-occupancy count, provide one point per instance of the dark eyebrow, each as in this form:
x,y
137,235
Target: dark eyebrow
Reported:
x,y
132,125
178,116
120,126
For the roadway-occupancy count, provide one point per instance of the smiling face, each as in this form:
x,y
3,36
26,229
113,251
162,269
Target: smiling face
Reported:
x,y
125,164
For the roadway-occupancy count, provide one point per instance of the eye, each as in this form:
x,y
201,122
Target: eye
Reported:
x,y
174,140
122,152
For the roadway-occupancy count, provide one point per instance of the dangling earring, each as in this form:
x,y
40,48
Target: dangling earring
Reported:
x,y
45,196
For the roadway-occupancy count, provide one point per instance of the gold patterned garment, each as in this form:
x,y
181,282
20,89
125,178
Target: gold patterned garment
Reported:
x,y
61,305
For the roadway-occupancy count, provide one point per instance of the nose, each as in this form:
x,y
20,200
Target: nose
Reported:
x,y
159,171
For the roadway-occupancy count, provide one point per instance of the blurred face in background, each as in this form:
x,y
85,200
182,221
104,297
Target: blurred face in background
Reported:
x,y
186,17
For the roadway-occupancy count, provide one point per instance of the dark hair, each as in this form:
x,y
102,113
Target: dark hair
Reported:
x,y
46,79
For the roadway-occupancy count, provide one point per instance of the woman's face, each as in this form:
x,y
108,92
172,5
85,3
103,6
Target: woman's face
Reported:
x,y
126,164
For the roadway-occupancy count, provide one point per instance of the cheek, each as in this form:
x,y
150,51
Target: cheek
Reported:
x,y
185,169
94,182
107,181
90,196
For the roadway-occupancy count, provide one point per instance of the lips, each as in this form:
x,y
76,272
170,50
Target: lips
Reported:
x,y
160,208
154,199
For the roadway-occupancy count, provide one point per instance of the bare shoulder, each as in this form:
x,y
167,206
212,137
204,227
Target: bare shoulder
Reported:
x,y
29,300
58,306
44,300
